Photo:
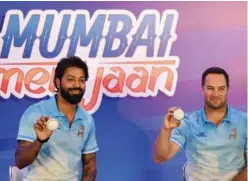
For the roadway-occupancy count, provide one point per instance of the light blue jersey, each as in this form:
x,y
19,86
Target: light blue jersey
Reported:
x,y
60,157
213,153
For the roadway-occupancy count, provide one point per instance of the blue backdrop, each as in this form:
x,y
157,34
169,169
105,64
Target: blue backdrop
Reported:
x,y
208,34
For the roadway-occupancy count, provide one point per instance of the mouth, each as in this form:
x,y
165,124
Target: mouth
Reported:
x,y
76,91
215,100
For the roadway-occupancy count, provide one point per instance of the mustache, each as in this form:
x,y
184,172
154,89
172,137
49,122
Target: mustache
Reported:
x,y
215,99
76,89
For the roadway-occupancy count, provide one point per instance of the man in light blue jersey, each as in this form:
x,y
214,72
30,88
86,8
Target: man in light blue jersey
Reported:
x,y
67,153
214,137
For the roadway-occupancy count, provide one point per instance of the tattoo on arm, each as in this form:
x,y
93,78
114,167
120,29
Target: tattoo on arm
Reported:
x,y
89,167
23,143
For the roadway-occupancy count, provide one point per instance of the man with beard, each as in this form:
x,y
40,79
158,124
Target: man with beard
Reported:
x,y
214,137
67,153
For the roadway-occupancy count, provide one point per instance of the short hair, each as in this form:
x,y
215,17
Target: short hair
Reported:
x,y
215,70
67,62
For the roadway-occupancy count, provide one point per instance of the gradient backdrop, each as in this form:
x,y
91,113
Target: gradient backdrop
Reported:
x,y
208,34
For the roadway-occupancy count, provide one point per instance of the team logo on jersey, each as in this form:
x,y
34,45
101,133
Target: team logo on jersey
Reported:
x,y
233,134
81,131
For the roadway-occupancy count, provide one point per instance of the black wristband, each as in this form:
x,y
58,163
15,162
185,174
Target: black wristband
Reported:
x,y
43,141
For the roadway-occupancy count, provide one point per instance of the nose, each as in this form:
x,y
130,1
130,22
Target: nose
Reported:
x,y
77,83
215,93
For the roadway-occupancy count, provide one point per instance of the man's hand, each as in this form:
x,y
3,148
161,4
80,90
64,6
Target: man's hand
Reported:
x,y
169,121
41,130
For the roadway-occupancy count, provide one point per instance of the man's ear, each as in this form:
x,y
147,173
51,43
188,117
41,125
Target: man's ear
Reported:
x,y
202,90
57,83
228,89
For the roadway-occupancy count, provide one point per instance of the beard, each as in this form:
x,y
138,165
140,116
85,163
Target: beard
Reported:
x,y
72,98
212,105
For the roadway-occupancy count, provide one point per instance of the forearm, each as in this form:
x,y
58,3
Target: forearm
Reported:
x,y
89,175
162,145
89,167
241,176
25,155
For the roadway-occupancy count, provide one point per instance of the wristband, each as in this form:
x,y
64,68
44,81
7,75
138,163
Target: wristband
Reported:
x,y
43,141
